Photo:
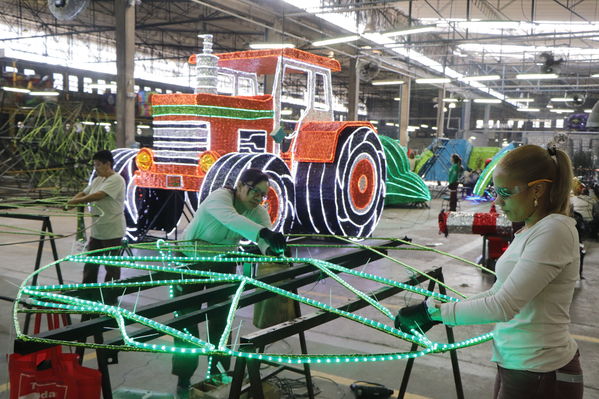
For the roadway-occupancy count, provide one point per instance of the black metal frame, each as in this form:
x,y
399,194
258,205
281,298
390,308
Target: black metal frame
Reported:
x,y
257,341
46,228
290,279
438,274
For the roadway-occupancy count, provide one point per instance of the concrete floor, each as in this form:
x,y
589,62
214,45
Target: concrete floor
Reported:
x,y
431,376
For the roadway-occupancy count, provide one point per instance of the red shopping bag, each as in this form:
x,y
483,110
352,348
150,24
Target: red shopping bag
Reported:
x,y
49,373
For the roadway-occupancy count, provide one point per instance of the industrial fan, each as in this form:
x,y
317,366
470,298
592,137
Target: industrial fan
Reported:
x,y
550,64
65,10
368,70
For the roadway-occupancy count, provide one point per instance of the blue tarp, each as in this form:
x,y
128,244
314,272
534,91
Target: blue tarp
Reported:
x,y
437,168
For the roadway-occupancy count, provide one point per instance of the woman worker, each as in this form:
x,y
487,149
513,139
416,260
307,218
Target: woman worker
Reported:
x,y
535,354
226,216
455,172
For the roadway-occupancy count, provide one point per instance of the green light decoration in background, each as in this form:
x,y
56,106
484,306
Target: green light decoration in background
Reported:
x,y
403,186
479,155
485,177
422,159
53,299
67,136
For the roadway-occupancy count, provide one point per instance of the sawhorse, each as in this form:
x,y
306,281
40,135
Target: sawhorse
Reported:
x,y
44,233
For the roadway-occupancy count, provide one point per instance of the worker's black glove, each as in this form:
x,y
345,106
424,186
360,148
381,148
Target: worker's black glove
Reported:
x,y
276,241
414,317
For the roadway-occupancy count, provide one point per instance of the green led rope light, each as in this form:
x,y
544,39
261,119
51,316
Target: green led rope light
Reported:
x,y
54,206
206,348
417,247
68,304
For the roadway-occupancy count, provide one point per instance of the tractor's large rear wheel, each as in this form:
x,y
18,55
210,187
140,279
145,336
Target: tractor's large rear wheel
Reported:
x,y
345,197
279,202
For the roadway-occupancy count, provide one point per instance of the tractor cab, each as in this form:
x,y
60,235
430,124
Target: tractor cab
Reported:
x,y
301,82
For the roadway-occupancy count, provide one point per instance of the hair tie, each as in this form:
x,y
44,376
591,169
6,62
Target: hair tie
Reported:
x,y
552,150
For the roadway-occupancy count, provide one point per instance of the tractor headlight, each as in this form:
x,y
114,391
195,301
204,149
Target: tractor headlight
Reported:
x,y
144,159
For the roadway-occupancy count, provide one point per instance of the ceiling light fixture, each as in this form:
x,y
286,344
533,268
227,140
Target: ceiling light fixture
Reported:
x,y
411,31
269,46
520,100
529,109
561,110
480,78
397,99
595,75
450,100
487,100
535,76
344,39
433,80
561,99
387,82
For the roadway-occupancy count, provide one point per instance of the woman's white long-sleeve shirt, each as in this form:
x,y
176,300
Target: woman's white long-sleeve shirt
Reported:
x,y
217,222
530,301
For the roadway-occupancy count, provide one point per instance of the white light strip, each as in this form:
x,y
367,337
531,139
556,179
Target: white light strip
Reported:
x,y
344,39
450,100
15,89
529,109
561,99
433,80
44,93
387,82
480,78
267,46
411,31
537,76
487,100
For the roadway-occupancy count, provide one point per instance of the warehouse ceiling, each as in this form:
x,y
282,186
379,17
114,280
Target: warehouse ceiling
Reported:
x,y
470,37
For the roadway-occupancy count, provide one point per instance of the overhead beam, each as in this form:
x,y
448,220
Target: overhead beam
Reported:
x,y
111,28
